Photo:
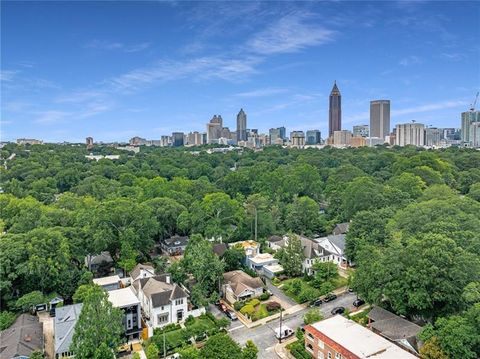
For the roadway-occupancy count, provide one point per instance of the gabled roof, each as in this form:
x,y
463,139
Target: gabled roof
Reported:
x,y
219,248
311,249
338,240
135,272
23,337
273,239
341,228
160,292
333,242
65,320
392,326
99,258
240,281
176,241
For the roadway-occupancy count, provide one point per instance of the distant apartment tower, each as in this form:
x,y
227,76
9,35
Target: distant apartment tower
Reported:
x,y
468,118
177,139
342,138
474,135
214,128
89,143
410,134
275,138
297,139
335,111
313,137
379,118
195,138
432,136
361,131
241,126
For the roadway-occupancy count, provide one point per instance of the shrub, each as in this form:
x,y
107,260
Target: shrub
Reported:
x,y
238,305
298,351
273,306
190,320
261,312
312,316
307,294
29,300
247,309
276,281
7,319
264,296
254,302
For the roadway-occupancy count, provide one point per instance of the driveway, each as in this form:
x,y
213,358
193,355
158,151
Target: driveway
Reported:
x,y
282,298
264,336
47,321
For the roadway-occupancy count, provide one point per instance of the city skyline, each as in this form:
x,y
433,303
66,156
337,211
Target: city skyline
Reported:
x,y
158,76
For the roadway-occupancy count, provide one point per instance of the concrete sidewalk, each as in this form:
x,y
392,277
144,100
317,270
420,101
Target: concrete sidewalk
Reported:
x,y
281,350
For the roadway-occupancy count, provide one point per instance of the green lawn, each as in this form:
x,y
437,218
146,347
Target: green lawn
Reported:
x,y
302,291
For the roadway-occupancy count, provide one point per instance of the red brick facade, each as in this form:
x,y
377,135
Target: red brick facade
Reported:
x,y
329,346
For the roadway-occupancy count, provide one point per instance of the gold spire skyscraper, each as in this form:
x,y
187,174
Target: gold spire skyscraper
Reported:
x,y
335,111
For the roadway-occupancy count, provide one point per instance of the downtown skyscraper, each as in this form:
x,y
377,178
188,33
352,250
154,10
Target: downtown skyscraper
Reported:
x,y
241,126
379,118
335,111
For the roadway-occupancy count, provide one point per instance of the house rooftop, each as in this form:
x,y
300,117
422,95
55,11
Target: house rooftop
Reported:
x,y
113,279
262,258
244,244
392,326
22,338
219,248
135,272
358,340
274,239
176,241
274,268
124,297
160,291
239,281
65,319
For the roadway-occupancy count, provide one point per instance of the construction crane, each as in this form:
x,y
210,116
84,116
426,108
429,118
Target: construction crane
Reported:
x,y
472,106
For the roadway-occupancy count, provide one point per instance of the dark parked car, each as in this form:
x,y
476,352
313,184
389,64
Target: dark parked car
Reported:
x,y
338,310
317,303
358,302
329,297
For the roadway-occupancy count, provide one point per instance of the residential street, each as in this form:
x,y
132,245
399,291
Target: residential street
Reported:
x,y
264,337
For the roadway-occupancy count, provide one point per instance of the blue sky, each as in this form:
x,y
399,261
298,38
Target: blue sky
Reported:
x,y
113,70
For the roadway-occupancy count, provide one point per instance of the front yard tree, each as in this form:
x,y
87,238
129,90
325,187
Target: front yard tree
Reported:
x,y
291,256
312,316
324,272
99,324
220,346
250,350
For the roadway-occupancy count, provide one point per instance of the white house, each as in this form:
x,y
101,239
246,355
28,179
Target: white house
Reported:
x,y
162,301
334,244
142,271
264,264
126,300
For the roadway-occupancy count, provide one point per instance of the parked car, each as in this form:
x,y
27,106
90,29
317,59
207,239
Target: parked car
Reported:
x,y
302,327
329,297
231,314
317,302
285,332
338,310
358,302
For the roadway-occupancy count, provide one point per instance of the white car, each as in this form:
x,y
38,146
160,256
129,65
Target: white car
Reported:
x,y
285,332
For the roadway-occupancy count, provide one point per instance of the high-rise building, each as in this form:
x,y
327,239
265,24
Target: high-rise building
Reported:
x,y
361,130
177,139
432,136
342,138
474,135
89,143
379,118
297,138
313,137
335,111
214,129
358,141
410,134
283,132
241,126
468,118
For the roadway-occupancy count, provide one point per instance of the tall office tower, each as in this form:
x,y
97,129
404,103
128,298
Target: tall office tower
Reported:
x,y
448,133
342,138
379,118
474,134
225,133
360,131
89,143
468,118
177,139
274,134
313,137
214,128
410,134
297,138
241,126
283,132
335,111
432,136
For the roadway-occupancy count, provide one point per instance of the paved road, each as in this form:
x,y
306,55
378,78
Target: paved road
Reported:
x,y
264,336
279,294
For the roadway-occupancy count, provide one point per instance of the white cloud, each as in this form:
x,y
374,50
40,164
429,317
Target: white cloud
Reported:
x,y
429,107
410,60
453,56
7,75
289,34
110,45
264,92
51,116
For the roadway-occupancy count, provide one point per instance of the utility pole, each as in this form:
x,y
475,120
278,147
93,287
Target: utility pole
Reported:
x,y
164,347
280,329
256,223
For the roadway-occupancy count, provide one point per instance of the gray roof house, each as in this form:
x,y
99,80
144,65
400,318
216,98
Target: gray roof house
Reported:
x,y
174,245
142,271
394,328
335,245
94,261
341,228
23,337
64,328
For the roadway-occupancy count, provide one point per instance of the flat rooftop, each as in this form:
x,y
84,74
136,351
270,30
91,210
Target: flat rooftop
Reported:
x,y
274,268
359,340
113,279
262,258
124,297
